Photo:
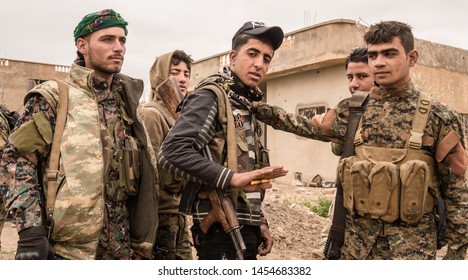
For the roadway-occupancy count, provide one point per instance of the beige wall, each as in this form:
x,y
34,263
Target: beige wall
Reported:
x,y
448,87
298,154
14,75
308,69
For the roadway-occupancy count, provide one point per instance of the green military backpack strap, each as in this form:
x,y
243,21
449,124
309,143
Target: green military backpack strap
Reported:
x,y
54,163
227,121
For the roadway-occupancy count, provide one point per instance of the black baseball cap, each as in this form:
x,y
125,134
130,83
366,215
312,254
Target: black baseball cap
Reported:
x,y
255,28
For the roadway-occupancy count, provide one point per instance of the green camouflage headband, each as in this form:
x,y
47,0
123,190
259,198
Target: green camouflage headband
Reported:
x,y
99,20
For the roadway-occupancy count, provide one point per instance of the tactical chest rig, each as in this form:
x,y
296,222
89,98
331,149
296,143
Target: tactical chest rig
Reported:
x,y
383,183
390,184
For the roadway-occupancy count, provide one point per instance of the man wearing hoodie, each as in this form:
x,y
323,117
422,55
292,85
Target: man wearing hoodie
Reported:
x,y
170,79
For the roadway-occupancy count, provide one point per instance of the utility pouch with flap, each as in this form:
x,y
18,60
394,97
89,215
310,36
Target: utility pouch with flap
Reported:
x,y
360,171
384,194
414,176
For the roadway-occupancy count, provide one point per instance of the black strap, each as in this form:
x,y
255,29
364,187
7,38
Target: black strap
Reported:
x,y
336,235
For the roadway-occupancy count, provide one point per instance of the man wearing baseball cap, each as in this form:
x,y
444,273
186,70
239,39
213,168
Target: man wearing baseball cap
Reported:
x,y
106,204
223,159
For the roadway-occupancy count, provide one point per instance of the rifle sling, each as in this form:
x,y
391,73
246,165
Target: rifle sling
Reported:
x,y
356,108
54,165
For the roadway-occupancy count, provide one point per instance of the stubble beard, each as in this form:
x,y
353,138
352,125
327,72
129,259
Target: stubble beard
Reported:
x,y
99,65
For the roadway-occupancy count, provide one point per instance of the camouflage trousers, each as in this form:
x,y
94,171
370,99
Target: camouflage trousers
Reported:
x,y
371,239
172,239
3,215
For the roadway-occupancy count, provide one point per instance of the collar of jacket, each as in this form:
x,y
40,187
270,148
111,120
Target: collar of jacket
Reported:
x,y
406,91
81,77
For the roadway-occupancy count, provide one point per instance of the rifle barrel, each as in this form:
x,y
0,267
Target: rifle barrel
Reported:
x,y
238,243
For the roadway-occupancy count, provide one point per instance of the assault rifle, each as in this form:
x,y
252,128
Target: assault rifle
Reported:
x,y
222,211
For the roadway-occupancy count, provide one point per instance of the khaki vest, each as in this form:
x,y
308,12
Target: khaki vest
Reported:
x,y
79,204
387,184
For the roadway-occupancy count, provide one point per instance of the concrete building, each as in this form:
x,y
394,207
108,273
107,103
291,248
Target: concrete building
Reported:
x,y
17,76
307,76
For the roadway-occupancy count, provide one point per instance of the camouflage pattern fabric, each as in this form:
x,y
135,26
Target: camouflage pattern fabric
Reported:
x,y
375,240
386,123
173,240
99,20
4,131
80,211
2,216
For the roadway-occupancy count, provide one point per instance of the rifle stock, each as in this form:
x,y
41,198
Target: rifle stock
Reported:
x,y
222,211
172,96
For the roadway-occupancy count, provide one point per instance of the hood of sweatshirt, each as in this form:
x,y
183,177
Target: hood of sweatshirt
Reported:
x,y
159,72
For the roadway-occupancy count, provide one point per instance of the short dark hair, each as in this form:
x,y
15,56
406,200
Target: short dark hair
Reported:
x,y
385,31
179,56
357,55
243,38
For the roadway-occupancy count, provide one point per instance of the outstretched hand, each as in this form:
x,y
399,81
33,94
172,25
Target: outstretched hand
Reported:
x,y
257,179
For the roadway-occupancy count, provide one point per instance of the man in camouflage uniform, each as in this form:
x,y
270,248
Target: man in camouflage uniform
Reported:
x,y
104,208
199,130
4,131
407,228
159,115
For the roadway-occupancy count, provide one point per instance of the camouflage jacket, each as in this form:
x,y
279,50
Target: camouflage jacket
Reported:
x,y
4,129
88,224
386,123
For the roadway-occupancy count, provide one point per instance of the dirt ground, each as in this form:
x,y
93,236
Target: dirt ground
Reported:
x,y
9,239
296,230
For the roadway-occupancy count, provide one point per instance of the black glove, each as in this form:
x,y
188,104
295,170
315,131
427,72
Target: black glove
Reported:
x,y
34,245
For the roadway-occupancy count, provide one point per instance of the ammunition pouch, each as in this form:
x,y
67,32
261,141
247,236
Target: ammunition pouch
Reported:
x,y
127,159
398,187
